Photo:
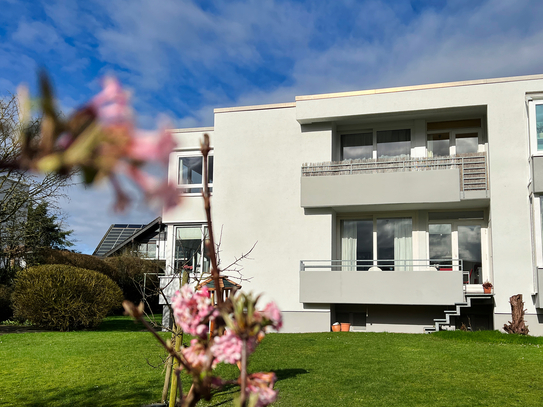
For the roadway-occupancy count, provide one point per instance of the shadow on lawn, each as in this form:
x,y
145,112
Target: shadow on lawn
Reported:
x,y
84,396
283,374
228,390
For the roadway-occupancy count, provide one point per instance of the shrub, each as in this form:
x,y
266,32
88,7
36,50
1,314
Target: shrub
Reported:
x,y
6,311
126,270
84,261
64,297
129,275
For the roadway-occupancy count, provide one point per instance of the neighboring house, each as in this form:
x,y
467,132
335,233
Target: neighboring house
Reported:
x,y
147,240
385,208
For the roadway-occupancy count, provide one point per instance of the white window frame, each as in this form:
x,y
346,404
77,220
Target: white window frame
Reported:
x,y
374,218
374,130
452,138
532,124
175,172
483,223
198,269
537,229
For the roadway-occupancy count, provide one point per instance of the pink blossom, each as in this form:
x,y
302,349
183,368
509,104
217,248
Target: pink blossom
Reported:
x,y
192,310
152,146
227,348
272,313
262,385
111,103
197,355
164,192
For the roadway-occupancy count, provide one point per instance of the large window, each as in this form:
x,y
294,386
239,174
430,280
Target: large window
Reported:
x,y
190,251
190,173
382,242
456,137
394,143
357,146
457,236
376,144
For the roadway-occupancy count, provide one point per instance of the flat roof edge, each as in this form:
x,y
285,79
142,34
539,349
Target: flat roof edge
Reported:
x,y
192,129
420,87
254,107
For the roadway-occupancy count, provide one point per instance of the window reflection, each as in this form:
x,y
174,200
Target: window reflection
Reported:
x,y
191,170
539,126
438,145
440,243
356,146
467,143
394,143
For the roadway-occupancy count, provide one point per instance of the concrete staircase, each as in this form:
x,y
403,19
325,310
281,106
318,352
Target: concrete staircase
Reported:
x,y
450,314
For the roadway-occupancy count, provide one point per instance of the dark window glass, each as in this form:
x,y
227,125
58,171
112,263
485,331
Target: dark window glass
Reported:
x,y
190,170
467,143
394,143
438,145
210,168
356,146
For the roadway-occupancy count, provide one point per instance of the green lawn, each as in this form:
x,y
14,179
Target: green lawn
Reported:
x,y
108,367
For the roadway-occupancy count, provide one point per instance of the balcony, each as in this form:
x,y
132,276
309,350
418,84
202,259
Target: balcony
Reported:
x,y
394,181
396,282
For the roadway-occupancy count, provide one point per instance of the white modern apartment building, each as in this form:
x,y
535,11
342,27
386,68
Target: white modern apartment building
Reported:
x,y
384,208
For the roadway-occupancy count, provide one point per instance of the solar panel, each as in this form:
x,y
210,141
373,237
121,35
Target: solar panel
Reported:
x,y
116,234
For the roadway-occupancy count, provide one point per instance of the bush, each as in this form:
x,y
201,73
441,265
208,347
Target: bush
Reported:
x,y
126,270
64,297
129,275
84,261
6,311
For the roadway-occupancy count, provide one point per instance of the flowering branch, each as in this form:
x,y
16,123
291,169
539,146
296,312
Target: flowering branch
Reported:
x,y
100,141
215,272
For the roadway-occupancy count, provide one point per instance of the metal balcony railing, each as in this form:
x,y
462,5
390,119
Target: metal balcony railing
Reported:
x,y
383,265
473,168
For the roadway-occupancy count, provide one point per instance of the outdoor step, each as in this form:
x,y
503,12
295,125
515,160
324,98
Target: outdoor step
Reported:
x,y
430,329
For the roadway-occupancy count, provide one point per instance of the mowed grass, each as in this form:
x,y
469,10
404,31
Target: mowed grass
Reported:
x,y
109,367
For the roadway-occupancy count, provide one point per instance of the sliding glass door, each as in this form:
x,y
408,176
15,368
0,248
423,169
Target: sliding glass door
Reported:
x,y
457,240
382,242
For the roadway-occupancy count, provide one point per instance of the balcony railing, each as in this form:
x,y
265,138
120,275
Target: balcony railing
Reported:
x,y
387,265
408,282
383,265
473,168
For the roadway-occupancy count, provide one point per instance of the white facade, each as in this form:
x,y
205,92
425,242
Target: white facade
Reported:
x,y
409,198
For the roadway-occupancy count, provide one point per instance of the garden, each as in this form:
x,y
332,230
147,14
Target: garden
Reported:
x,y
119,364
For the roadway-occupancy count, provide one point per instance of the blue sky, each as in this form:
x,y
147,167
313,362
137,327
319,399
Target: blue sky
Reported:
x,y
184,58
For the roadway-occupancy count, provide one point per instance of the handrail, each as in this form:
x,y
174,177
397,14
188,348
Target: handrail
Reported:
x,y
473,168
383,265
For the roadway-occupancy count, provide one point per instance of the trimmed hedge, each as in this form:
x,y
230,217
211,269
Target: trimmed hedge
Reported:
x,y
84,261
64,297
126,270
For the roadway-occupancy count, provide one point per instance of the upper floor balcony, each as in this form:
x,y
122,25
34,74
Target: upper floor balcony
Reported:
x,y
411,180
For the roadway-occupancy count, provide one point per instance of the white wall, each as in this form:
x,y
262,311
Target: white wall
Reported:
x,y
258,156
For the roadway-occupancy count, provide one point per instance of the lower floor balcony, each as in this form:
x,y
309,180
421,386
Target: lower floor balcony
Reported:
x,y
398,282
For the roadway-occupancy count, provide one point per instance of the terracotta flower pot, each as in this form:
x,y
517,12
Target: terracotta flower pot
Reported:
x,y
487,290
336,328
345,327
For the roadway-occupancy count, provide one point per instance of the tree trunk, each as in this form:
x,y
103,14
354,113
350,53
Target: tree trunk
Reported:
x,y
517,326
